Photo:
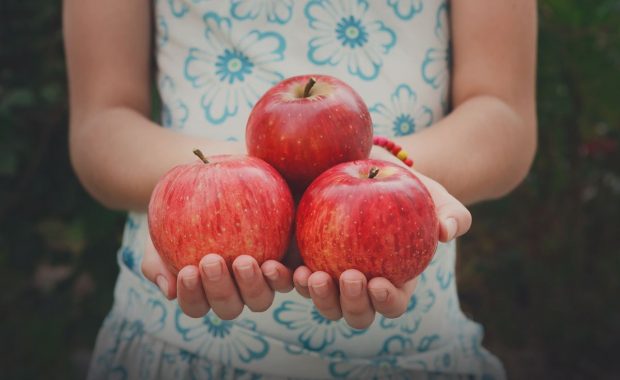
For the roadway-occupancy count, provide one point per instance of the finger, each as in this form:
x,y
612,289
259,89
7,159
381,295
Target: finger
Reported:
x,y
191,295
300,279
354,301
219,287
324,293
454,218
156,271
389,300
278,276
254,290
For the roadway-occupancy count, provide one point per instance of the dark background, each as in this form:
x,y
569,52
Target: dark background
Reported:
x,y
539,268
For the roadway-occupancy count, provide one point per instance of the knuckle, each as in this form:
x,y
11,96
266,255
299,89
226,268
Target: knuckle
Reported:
x,y
356,311
255,291
221,298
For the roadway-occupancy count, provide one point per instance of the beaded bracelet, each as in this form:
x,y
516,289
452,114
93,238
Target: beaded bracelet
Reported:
x,y
393,148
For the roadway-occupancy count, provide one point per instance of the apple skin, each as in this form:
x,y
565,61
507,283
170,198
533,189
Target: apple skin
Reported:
x,y
231,206
304,136
384,226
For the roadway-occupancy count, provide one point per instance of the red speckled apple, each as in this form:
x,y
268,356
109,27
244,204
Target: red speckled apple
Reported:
x,y
229,205
370,215
306,124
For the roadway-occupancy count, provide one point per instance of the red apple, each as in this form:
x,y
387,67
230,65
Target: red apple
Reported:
x,y
306,124
229,205
370,215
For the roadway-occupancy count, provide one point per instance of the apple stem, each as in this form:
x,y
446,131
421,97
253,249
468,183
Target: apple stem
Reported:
x,y
308,87
373,172
202,157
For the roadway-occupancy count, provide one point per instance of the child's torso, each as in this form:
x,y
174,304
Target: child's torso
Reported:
x,y
215,59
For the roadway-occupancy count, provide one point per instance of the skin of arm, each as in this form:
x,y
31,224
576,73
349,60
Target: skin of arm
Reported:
x,y
116,151
488,141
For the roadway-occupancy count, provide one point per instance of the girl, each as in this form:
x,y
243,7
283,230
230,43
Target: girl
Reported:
x,y
453,85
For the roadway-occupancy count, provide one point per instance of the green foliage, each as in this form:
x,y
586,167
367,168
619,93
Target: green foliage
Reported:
x,y
539,268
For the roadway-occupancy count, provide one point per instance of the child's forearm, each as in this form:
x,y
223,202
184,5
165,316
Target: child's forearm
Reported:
x,y
119,155
482,150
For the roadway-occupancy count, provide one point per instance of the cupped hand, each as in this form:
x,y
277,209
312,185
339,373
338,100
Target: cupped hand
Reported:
x,y
356,299
211,286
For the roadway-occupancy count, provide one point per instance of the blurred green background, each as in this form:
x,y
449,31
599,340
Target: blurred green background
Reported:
x,y
540,268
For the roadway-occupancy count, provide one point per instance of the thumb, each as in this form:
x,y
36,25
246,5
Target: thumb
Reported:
x,y
454,217
155,270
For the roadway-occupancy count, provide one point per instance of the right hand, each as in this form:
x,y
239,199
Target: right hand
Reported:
x,y
210,285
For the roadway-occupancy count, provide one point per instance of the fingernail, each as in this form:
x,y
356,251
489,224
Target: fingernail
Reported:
x,y
190,280
320,289
450,224
272,274
379,294
353,288
162,283
246,271
213,270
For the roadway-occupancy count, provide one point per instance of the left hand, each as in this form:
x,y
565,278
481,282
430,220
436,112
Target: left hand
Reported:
x,y
357,299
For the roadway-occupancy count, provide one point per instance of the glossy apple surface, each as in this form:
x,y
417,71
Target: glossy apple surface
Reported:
x,y
303,128
231,205
370,215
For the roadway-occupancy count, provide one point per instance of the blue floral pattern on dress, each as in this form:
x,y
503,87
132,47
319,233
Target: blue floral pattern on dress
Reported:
x,y
144,315
108,367
315,331
233,70
406,9
275,11
436,65
178,7
226,341
174,112
127,253
402,116
444,278
162,31
419,304
345,33
427,342
444,363
382,366
180,363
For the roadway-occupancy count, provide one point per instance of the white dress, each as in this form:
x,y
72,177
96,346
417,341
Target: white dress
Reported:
x,y
215,59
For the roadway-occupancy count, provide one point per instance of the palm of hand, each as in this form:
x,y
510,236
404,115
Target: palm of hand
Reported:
x,y
211,285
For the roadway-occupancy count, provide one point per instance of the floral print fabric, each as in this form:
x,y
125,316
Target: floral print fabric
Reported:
x,y
215,59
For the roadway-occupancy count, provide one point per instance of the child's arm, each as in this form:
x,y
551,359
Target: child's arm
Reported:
x,y
117,152
485,147
482,150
